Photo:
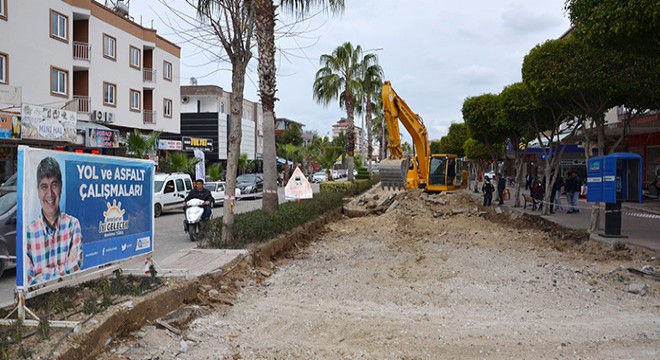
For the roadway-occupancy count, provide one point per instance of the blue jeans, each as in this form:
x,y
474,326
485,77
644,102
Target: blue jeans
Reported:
x,y
487,199
572,198
558,206
207,212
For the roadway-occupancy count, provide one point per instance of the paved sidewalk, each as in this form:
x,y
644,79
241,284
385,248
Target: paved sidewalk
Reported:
x,y
640,223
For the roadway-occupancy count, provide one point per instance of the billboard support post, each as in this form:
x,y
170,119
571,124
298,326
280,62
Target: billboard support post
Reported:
x,y
21,310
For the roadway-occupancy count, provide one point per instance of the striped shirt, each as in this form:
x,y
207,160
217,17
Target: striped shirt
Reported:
x,y
53,251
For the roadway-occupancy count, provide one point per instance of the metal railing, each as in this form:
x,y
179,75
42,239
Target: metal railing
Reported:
x,y
149,75
83,103
149,116
81,50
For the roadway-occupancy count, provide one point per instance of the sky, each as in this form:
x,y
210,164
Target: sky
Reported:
x,y
435,53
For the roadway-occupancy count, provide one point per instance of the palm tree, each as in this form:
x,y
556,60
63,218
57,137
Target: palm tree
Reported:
x,y
372,82
242,163
180,162
340,78
265,30
140,146
327,158
288,151
214,171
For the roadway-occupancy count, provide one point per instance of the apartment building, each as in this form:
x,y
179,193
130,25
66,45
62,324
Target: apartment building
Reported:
x,y
106,73
340,128
205,114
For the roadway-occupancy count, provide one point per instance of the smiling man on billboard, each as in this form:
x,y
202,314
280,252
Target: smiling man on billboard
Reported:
x,y
54,239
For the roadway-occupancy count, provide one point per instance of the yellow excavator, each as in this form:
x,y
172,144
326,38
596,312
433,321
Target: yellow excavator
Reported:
x,y
432,172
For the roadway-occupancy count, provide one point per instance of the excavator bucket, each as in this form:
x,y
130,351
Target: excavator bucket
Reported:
x,y
393,173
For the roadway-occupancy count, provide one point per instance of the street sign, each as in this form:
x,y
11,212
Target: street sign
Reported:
x,y
298,186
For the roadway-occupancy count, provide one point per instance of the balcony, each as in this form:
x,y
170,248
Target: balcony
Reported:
x,y
81,51
83,103
149,116
149,75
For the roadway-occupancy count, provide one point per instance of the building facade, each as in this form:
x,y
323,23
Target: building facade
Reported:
x,y
340,128
205,113
81,56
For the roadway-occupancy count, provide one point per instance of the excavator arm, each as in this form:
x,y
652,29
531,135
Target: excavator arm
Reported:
x,y
394,170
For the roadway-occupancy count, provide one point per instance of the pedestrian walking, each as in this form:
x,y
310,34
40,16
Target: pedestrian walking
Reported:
x,y
572,186
487,188
501,185
528,182
559,184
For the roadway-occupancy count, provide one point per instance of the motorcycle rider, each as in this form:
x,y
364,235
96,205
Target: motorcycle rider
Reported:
x,y
202,193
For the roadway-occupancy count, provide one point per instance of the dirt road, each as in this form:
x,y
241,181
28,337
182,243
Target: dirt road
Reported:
x,y
429,281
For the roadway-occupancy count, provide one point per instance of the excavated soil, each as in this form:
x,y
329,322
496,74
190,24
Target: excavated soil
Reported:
x,y
437,277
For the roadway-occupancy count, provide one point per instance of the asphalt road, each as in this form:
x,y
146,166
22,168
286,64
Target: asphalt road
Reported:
x,y
169,239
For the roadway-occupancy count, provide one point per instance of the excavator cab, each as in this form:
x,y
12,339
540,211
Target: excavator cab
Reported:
x,y
446,172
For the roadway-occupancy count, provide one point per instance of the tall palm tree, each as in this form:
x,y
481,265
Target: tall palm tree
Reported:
x,y
265,33
181,162
339,78
372,82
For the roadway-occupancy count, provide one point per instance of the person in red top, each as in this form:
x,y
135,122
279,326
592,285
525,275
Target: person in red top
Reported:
x,y
54,239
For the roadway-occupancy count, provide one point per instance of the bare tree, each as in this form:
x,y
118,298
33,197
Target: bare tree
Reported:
x,y
232,22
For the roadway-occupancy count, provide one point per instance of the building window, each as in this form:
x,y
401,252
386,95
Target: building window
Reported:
x,y
135,100
59,80
109,94
3,9
167,70
222,107
4,64
167,108
109,47
136,57
59,26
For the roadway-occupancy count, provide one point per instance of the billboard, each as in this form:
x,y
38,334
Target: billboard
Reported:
x,y
45,123
78,212
102,138
10,126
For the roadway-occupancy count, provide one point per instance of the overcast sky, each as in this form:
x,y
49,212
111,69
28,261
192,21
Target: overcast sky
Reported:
x,y
436,53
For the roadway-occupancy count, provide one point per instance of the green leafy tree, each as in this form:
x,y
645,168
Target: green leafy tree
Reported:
x,y
339,78
292,135
632,25
452,143
243,163
481,115
289,152
327,158
478,155
141,146
372,81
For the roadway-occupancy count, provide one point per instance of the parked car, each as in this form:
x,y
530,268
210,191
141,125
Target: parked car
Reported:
x,y
217,189
320,176
335,174
491,175
251,185
169,191
8,208
11,181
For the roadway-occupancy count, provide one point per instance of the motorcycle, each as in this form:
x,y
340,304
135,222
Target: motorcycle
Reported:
x,y
193,221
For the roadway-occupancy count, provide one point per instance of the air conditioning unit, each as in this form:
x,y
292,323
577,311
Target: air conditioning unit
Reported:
x,y
109,117
98,115
185,99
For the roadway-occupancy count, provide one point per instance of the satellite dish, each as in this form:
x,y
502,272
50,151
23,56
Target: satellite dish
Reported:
x,y
193,81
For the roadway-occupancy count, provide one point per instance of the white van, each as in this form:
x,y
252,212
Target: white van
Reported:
x,y
169,191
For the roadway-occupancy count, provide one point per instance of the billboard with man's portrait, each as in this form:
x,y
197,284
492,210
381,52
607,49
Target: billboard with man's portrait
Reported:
x,y
78,212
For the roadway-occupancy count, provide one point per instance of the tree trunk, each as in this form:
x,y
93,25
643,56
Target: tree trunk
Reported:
x,y
233,151
369,136
519,177
350,135
594,223
265,31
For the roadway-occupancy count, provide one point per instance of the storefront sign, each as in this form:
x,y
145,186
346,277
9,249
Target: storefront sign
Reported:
x,y
170,145
102,138
10,126
191,143
102,206
44,123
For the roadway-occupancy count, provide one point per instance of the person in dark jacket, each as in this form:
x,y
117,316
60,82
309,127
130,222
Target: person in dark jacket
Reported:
x,y
501,185
202,193
488,190
555,203
572,187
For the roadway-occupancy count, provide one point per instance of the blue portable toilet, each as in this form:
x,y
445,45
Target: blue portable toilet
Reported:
x,y
595,179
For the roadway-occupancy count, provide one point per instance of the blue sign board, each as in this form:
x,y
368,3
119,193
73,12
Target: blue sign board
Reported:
x,y
78,212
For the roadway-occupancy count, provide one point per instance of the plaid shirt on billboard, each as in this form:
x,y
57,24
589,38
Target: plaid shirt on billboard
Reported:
x,y
53,251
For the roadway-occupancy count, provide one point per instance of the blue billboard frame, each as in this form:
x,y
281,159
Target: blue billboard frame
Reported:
x,y
105,215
